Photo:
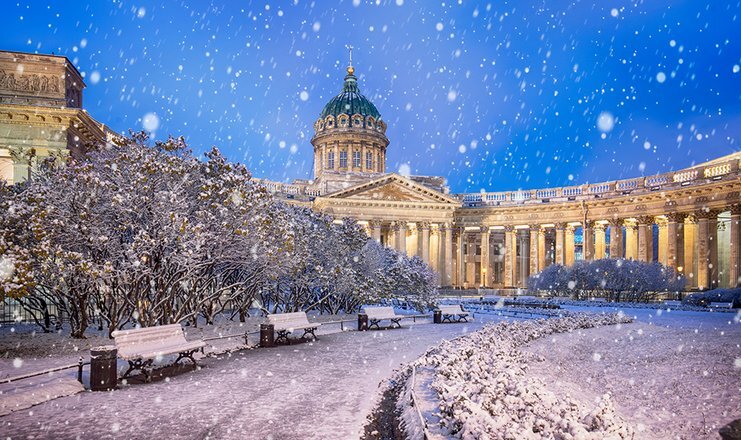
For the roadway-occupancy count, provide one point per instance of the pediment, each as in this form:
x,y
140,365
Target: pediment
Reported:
x,y
394,188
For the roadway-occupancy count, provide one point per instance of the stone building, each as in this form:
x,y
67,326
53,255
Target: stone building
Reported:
x,y
41,112
687,219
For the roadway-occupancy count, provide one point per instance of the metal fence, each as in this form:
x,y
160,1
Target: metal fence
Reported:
x,y
12,311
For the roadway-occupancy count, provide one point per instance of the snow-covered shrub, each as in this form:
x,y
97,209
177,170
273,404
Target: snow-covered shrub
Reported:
x,y
716,295
613,279
484,392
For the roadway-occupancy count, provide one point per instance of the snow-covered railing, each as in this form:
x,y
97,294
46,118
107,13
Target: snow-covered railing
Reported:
x,y
624,185
546,193
571,191
656,181
616,188
717,170
78,365
521,195
600,188
685,176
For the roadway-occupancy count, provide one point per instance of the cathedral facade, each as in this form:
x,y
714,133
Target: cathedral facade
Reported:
x,y
689,219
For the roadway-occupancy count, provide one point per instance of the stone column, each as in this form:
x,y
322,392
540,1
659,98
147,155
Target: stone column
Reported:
x,y
560,243
645,237
510,255
569,256
690,235
541,249
588,240
471,240
662,251
703,250
675,239
734,258
401,238
485,256
600,247
375,228
631,241
616,238
534,246
423,241
393,235
713,265
460,260
447,232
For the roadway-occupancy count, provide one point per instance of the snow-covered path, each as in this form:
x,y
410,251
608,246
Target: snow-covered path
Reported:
x,y
319,390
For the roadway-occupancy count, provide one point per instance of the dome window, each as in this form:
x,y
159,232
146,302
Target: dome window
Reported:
x,y
343,121
370,122
357,121
330,122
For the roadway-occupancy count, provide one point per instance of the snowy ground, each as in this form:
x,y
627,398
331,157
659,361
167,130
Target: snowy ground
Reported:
x,y
317,390
671,375
684,382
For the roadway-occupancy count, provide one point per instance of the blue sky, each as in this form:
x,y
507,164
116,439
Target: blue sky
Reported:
x,y
495,96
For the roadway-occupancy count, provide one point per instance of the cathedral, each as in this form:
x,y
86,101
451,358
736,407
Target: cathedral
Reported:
x,y
687,219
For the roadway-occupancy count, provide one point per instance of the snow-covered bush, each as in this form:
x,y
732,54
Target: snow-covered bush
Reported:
x,y
613,279
716,295
139,234
484,392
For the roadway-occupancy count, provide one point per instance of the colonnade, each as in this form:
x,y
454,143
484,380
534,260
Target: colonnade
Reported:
x,y
468,256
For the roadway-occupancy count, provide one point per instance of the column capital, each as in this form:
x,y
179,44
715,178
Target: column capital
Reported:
x,y
509,228
676,217
599,226
561,226
375,224
645,220
706,214
534,228
395,226
735,209
484,229
421,226
587,224
616,221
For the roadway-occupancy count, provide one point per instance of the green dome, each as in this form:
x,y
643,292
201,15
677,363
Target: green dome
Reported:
x,y
350,101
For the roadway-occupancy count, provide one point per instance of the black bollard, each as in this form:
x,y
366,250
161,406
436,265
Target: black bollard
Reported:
x,y
437,317
267,335
362,322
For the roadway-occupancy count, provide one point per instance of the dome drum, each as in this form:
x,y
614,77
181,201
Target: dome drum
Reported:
x,y
349,136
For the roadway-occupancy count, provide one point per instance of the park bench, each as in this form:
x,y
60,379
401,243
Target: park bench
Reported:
x,y
453,311
720,305
378,314
141,346
286,323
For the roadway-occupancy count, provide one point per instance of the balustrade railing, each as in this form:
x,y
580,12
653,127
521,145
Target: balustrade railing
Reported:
x,y
698,174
